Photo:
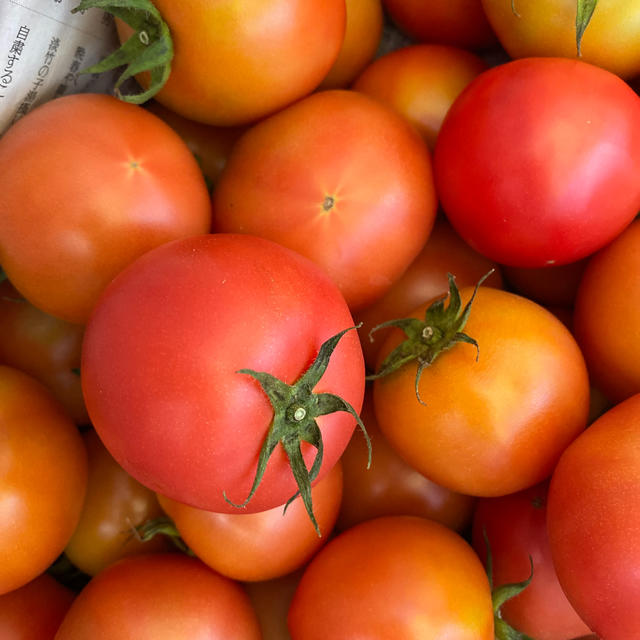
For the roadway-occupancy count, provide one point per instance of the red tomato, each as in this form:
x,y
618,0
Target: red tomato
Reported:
x,y
88,184
402,577
391,487
34,611
516,529
606,316
593,519
165,358
114,505
548,151
160,597
495,420
460,23
420,82
335,177
264,545
43,478
235,62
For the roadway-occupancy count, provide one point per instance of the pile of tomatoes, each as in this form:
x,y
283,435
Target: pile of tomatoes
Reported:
x,y
309,334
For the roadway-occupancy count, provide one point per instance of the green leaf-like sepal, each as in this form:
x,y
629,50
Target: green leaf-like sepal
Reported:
x,y
441,329
161,526
150,48
584,11
296,408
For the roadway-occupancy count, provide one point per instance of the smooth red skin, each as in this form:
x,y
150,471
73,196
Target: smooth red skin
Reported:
x,y
593,519
43,478
260,546
396,577
162,353
425,279
606,318
390,486
89,183
160,597
548,153
420,82
459,23
344,145
516,527
34,611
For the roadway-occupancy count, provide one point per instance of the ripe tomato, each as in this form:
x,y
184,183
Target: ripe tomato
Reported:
x,y
43,478
114,505
402,576
238,62
264,545
605,316
459,23
334,177
165,369
89,183
548,151
593,518
390,486
516,529
548,28
420,82
34,611
495,420
160,597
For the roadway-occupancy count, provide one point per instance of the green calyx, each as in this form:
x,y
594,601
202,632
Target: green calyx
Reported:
x,y
296,408
150,48
441,329
161,526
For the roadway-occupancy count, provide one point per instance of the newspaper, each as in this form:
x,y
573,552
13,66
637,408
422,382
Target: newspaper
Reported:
x,y
43,48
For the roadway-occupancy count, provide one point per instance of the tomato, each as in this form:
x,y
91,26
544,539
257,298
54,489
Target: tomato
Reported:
x,y
420,82
42,346
43,478
264,545
593,517
460,23
400,576
160,597
390,486
548,28
34,611
605,316
361,40
238,62
548,153
89,183
424,279
334,177
515,526
170,360
114,505
493,420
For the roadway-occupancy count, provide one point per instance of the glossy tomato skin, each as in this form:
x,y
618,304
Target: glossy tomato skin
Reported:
x,y
335,177
605,316
160,597
259,546
237,62
114,505
516,528
43,478
162,355
400,576
108,181
593,520
498,424
548,151
34,611
548,28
